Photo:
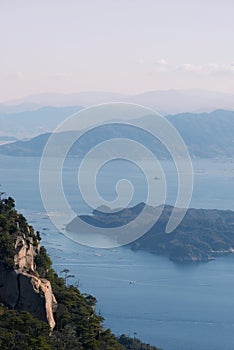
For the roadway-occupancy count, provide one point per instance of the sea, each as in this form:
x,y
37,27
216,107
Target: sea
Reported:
x,y
175,307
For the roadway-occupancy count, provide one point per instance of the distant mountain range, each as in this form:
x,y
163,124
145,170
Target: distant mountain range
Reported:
x,y
207,135
31,123
164,101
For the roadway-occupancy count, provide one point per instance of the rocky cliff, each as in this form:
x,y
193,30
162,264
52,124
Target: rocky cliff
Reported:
x,y
21,287
25,272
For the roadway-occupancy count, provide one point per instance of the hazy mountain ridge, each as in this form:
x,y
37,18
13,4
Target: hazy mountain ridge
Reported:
x,y
207,135
31,123
164,101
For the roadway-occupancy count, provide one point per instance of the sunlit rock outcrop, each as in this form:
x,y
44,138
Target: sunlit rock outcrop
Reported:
x,y
21,287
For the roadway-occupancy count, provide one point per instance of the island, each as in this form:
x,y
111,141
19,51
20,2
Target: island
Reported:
x,y
202,235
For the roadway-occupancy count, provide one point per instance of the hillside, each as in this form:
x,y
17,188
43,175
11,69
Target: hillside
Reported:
x,y
202,235
25,124
38,310
207,135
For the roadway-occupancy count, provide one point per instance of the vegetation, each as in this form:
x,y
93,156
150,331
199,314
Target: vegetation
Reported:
x,y
78,327
23,331
11,223
134,343
202,235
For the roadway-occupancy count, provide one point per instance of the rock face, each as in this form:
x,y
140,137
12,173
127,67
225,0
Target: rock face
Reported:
x,y
22,288
25,253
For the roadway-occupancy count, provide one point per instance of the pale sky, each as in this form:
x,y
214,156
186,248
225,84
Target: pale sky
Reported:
x,y
127,46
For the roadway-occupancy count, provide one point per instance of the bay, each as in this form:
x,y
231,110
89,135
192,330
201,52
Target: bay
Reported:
x,y
171,306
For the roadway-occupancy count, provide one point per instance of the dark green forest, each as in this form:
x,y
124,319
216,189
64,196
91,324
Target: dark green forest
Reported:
x,y
202,235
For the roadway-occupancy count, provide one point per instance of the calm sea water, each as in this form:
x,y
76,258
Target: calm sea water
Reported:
x,y
174,307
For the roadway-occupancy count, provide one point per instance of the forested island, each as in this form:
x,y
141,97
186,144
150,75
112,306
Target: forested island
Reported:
x,y
202,235
38,309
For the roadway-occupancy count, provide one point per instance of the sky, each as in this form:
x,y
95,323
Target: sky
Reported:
x,y
126,46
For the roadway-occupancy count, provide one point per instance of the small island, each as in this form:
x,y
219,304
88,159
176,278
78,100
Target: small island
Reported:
x,y
202,235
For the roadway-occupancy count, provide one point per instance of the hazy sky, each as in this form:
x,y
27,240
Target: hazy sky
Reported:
x,y
121,46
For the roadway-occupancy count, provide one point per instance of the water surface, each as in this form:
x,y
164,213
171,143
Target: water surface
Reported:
x,y
172,306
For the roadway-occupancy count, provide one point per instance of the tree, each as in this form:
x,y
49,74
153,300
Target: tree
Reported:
x,y
66,275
